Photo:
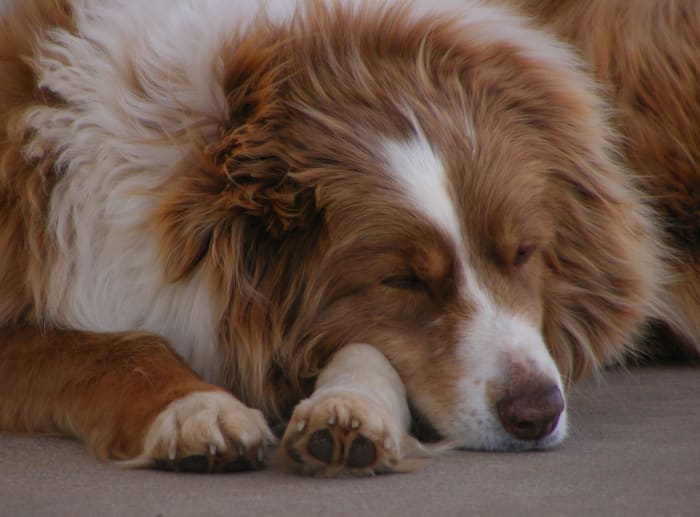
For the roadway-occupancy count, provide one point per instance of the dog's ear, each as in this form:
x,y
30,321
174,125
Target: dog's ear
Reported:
x,y
606,264
241,180
249,196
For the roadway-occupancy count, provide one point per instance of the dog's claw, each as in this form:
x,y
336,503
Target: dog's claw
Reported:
x,y
205,432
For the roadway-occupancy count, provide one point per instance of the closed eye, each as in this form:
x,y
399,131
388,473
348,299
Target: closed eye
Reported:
x,y
523,254
406,283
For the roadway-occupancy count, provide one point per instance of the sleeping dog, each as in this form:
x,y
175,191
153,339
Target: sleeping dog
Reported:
x,y
344,216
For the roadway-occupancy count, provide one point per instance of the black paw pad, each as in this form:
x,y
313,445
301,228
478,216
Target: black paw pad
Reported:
x,y
362,453
320,445
165,465
241,464
194,464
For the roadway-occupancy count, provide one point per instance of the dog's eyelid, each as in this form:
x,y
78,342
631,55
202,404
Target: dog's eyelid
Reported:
x,y
406,282
523,254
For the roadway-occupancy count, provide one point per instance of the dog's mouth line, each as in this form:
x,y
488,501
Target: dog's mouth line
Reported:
x,y
422,428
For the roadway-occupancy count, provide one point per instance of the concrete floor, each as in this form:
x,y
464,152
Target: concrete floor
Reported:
x,y
634,449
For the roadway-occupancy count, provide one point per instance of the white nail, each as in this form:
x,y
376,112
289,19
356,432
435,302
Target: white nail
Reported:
x,y
355,423
300,426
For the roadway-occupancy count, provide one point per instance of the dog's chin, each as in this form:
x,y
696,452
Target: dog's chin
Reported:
x,y
497,440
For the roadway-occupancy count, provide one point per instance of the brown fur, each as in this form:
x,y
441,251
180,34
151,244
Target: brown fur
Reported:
x,y
280,213
104,388
646,54
24,187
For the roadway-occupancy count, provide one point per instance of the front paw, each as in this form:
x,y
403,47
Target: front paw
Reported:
x,y
344,431
209,431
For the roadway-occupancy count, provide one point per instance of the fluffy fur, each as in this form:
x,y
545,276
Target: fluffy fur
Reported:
x,y
280,194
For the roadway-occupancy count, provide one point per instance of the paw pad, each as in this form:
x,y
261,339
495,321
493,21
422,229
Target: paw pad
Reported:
x,y
363,453
321,445
340,433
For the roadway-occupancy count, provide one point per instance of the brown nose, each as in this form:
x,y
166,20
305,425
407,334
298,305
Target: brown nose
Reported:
x,y
530,411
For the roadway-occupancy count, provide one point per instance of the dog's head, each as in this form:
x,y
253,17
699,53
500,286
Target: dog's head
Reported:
x,y
440,188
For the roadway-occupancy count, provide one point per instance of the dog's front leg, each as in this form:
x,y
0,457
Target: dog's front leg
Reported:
x,y
128,396
355,421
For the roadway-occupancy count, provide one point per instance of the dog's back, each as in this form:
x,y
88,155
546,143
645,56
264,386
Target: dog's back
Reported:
x,y
645,54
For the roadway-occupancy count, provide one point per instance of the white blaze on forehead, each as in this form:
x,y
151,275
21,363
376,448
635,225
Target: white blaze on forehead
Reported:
x,y
422,176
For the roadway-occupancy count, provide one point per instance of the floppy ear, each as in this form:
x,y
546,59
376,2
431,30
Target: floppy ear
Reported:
x,y
240,184
242,181
248,199
606,264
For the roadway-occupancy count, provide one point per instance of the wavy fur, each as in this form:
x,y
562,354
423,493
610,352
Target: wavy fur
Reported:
x,y
234,190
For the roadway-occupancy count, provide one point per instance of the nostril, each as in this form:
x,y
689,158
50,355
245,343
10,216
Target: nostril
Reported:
x,y
531,414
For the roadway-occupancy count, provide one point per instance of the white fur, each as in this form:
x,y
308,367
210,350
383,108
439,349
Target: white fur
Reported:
x,y
492,341
361,369
421,175
494,337
359,391
203,423
117,147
